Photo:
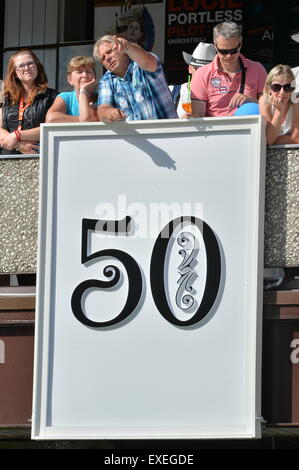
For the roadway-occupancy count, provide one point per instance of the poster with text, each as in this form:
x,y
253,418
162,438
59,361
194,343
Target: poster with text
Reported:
x,y
188,23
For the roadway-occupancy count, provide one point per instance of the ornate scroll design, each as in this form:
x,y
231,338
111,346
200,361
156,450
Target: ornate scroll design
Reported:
x,y
184,298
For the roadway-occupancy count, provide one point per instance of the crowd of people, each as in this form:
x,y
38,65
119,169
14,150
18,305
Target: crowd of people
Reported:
x,y
221,81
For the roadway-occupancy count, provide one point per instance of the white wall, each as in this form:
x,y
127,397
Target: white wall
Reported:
x,y
30,23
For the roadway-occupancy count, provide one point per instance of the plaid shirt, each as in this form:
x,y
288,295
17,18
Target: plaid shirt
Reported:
x,y
140,94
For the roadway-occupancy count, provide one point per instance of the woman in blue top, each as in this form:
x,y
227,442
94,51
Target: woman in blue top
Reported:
x,y
77,105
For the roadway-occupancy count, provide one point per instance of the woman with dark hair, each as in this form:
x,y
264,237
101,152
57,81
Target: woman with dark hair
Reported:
x,y
27,99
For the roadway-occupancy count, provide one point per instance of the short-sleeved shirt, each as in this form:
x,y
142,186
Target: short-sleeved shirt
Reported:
x,y
71,101
214,86
140,94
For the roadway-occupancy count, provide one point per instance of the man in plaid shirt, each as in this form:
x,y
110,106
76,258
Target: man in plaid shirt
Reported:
x,y
134,86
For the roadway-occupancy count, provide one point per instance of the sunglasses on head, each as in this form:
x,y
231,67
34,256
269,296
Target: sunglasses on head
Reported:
x,y
276,87
228,51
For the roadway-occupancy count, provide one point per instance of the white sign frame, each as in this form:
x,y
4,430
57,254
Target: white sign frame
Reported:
x,y
52,136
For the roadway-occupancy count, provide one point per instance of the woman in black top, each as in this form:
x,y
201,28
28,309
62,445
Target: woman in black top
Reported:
x,y
27,99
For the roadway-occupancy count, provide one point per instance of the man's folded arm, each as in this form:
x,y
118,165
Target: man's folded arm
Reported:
x,y
199,108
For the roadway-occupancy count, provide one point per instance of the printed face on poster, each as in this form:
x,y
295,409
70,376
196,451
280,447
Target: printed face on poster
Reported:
x,y
139,22
150,280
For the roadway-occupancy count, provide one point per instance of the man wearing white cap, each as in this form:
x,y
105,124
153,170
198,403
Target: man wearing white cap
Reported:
x,y
203,54
218,89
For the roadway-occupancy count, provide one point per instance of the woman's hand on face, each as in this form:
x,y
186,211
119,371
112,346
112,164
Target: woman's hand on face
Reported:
x,y
278,103
89,87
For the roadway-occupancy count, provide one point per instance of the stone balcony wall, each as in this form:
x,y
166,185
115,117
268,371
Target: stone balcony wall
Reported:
x,y
282,207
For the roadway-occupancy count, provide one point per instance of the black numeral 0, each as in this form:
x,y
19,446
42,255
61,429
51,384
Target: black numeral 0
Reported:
x,y
213,272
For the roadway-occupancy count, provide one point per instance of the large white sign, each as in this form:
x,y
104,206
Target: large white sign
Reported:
x,y
150,280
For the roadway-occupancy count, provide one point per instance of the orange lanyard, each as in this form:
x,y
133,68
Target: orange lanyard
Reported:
x,y
22,109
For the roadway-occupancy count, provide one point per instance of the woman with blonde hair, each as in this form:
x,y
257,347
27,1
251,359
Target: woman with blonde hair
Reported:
x,y
77,105
280,106
27,99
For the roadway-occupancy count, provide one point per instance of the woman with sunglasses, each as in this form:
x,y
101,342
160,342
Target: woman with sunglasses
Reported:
x,y
279,106
27,99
